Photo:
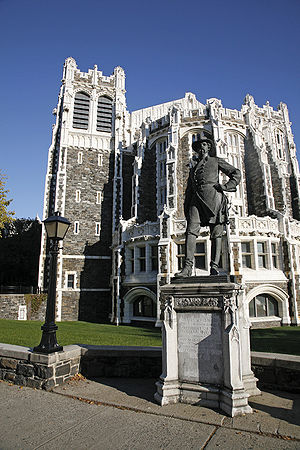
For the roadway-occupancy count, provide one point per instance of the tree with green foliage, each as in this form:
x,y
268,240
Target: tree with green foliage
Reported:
x,y
19,252
6,216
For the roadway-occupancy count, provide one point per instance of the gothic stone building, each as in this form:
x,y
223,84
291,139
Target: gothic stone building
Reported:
x,y
120,178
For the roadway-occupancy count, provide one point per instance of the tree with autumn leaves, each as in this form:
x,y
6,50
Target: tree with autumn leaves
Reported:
x,y
6,216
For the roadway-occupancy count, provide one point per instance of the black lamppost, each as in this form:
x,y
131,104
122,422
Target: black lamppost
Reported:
x,y
56,228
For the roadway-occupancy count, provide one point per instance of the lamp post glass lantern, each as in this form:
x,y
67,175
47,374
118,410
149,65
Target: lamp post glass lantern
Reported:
x,y
56,228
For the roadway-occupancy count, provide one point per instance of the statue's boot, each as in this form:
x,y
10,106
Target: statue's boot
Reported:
x,y
216,246
190,244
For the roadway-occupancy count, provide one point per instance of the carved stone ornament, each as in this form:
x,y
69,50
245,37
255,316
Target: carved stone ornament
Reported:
x,y
229,303
166,301
198,301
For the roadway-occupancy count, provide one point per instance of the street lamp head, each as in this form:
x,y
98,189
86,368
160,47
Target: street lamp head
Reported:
x,y
56,226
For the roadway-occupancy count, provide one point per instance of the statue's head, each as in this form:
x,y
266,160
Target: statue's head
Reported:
x,y
204,146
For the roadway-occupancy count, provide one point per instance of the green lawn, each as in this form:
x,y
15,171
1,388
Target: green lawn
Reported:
x,y
28,334
276,340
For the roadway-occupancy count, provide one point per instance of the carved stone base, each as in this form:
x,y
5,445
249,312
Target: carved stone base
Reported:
x,y
250,385
203,353
235,402
167,392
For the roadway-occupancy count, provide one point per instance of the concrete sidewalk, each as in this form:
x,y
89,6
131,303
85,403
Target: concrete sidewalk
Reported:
x,y
121,414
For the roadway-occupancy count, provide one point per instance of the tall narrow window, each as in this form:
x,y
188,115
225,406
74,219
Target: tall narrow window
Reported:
x,y
104,114
180,255
97,229
100,160
131,259
261,254
246,255
154,257
142,258
99,197
144,306
71,281
274,250
279,140
76,227
196,137
200,255
79,159
81,111
78,196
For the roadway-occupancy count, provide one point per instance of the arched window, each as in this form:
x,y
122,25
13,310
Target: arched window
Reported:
x,y
104,114
144,306
81,111
262,306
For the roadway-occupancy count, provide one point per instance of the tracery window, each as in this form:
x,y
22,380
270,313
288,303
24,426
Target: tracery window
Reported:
x,y
81,111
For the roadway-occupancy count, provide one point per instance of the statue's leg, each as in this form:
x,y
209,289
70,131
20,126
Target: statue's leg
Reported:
x,y
192,233
216,233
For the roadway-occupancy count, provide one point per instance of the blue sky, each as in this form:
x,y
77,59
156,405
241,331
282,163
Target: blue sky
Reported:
x,y
222,49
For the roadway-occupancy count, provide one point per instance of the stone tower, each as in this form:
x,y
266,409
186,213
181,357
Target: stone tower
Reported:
x,y
83,160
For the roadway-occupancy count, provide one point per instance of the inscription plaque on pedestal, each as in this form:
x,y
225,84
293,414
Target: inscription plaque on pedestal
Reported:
x,y
200,357
206,353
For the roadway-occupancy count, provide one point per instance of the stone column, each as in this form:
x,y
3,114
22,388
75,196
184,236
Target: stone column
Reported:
x,y
167,386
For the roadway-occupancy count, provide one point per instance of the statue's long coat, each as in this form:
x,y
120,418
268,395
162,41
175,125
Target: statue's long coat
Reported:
x,y
200,192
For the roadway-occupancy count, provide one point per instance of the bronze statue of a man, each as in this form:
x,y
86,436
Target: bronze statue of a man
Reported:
x,y
205,202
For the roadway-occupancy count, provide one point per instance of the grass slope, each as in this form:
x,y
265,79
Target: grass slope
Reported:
x,y
276,340
28,334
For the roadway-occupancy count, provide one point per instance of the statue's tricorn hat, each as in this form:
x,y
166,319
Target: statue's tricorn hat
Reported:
x,y
197,144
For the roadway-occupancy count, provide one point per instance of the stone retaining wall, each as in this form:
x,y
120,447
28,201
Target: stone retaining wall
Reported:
x,y
277,371
118,361
21,366
9,305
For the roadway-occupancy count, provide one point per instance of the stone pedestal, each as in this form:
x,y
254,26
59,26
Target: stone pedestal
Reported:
x,y
205,351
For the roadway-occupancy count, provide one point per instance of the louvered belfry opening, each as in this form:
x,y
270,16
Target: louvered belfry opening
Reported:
x,y
81,111
104,114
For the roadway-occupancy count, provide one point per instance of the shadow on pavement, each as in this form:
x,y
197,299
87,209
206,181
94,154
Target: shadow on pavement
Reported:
x,y
279,404
134,387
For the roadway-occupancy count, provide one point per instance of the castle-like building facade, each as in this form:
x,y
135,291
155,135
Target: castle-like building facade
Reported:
x,y
120,178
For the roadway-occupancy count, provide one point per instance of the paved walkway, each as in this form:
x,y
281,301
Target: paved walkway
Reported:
x,y
120,414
